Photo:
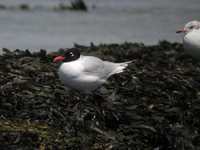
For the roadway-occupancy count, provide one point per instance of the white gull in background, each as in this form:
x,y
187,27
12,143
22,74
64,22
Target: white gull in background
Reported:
x,y
85,73
191,40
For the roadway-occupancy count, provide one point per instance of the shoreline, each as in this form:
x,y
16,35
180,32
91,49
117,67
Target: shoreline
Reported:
x,y
75,5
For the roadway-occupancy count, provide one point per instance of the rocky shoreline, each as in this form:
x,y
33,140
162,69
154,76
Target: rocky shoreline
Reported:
x,y
154,104
75,5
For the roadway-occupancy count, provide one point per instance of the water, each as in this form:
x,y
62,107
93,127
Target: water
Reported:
x,y
111,21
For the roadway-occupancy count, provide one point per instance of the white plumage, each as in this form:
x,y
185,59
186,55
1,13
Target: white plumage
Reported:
x,y
191,40
87,73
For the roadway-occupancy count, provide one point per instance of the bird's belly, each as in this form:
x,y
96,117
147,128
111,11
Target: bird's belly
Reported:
x,y
84,83
192,46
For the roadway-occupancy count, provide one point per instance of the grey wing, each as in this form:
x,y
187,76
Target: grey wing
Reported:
x,y
95,66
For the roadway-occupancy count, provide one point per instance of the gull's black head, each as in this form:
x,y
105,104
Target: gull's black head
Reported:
x,y
70,55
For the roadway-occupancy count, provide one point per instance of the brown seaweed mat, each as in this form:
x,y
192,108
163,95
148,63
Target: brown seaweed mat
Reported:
x,y
154,104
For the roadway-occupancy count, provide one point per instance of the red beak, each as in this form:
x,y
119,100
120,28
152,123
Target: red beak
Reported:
x,y
181,30
58,59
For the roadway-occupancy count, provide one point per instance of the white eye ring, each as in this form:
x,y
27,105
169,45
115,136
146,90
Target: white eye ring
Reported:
x,y
71,54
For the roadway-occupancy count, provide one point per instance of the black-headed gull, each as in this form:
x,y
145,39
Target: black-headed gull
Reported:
x,y
191,40
85,73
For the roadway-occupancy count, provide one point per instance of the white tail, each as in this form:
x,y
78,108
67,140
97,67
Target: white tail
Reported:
x,y
120,67
116,67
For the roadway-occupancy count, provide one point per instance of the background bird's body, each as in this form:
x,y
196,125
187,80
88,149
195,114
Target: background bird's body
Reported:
x,y
191,40
88,73
191,43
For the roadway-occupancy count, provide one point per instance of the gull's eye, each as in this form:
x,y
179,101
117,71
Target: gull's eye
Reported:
x,y
71,54
191,27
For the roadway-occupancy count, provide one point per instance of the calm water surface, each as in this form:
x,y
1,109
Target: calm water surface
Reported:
x,y
107,21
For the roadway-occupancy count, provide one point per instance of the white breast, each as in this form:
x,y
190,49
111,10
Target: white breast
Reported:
x,y
191,43
72,74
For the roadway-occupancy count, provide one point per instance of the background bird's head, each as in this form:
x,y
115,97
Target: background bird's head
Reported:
x,y
190,26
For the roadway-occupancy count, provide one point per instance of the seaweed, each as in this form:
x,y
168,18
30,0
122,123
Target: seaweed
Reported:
x,y
154,104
